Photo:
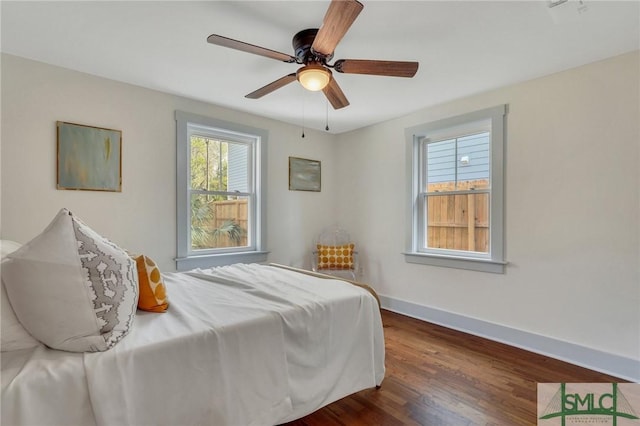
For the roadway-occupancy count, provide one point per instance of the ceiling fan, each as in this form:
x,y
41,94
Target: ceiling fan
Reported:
x,y
314,49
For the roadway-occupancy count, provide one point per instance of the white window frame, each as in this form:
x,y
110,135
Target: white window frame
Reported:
x,y
491,119
188,124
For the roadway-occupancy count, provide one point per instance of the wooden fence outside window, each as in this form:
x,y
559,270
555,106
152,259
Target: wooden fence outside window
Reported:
x,y
458,221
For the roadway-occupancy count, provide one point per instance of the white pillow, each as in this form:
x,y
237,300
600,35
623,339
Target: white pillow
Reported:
x,y
8,246
13,336
71,288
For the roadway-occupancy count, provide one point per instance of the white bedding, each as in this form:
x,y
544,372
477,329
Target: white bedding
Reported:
x,y
239,345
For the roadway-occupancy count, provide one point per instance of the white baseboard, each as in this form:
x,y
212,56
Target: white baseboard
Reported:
x,y
593,359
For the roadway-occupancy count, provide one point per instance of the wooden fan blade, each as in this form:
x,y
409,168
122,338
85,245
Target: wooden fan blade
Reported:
x,y
335,95
265,90
386,68
250,48
336,23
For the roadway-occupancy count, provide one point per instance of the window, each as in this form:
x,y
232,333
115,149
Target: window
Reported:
x,y
220,196
456,192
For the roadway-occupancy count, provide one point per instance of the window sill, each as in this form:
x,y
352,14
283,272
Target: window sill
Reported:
x,y
211,260
472,264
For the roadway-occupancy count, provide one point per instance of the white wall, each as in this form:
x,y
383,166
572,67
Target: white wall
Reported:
x,y
572,210
142,218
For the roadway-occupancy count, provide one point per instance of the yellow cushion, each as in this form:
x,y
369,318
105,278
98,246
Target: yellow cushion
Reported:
x,y
153,293
335,257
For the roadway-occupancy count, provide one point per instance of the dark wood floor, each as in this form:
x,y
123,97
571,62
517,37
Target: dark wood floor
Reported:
x,y
438,376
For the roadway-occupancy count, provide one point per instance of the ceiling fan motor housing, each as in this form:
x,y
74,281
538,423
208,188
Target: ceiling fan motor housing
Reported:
x,y
302,42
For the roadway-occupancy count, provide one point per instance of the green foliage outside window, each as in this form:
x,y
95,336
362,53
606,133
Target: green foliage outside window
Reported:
x,y
209,166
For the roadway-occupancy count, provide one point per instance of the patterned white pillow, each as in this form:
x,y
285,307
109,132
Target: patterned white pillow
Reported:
x,y
13,336
8,247
71,288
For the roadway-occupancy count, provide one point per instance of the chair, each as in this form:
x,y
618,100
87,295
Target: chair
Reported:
x,y
334,253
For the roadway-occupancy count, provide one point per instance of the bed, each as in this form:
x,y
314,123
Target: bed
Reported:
x,y
239,345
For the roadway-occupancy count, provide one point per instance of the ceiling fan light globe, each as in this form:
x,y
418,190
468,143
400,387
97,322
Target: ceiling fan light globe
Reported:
x,y
314,77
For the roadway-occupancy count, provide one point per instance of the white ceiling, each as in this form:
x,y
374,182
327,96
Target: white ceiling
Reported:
x,y
464,47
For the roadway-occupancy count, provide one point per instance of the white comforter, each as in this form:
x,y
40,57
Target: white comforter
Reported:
x,y
240,345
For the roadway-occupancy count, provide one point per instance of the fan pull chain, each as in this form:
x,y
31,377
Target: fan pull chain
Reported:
x,y
303,98
327,126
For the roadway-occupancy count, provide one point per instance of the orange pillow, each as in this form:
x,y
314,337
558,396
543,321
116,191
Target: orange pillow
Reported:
x,y
153,293
335,257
